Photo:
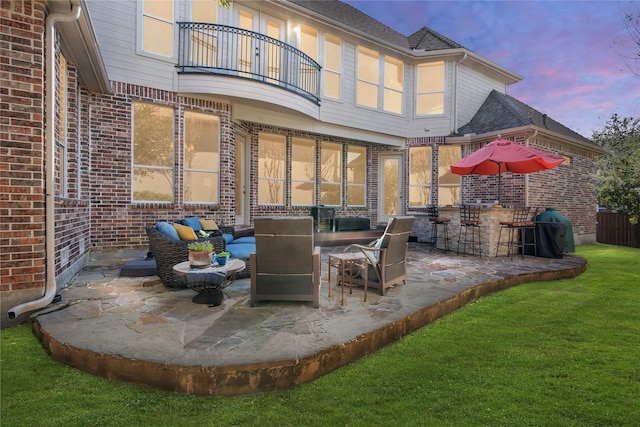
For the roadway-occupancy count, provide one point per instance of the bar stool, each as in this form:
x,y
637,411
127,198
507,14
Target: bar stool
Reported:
x,y
470,218
436,220
521,222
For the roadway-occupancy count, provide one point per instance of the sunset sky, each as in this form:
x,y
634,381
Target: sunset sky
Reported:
x,y
570,53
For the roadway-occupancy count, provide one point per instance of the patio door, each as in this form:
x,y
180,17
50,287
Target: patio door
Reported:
x,y
242,181
260,58
390,186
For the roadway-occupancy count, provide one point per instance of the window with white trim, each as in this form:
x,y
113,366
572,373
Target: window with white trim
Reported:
x,y
368,77
419,176
203,49
356,175
448,183
380,81
303,172
271,168
393,84
330,173
157,27
201,158
430,89
61,143
153,126
332,66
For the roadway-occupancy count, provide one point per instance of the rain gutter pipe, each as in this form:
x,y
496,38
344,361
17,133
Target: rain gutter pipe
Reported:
x,y
50,135
526,176
455,106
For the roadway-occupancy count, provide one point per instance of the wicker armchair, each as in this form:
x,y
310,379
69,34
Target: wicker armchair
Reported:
x,y
168,253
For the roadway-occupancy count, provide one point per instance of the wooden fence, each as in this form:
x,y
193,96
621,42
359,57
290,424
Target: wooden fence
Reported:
x,y
615,229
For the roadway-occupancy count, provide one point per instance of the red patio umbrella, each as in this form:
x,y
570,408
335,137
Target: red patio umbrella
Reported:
x,y
505,156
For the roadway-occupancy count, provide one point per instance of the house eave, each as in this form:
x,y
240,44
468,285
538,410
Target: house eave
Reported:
x,y
81,46
474,138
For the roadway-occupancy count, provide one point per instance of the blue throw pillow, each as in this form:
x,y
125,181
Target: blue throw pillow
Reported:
x,y
228,238
168,230
193,222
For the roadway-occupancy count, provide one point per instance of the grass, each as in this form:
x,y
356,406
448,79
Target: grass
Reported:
x,y
560,353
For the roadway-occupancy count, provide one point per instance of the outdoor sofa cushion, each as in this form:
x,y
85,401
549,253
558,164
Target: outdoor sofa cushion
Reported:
x,y
193,222
168,230
240,250
185,232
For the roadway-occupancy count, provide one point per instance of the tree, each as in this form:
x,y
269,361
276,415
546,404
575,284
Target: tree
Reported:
x,y
619,169
632,25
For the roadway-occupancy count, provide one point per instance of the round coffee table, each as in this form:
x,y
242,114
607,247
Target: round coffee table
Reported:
x,y
209,281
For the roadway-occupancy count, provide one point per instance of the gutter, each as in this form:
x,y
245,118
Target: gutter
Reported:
x,y
50,66
455,100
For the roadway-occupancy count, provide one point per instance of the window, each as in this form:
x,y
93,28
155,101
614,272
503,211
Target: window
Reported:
x,y
448,183
245,53
368,77
393,83
157,27
303,171
203,48
430,95
201,158
309,41
61,144
419,176
332,66
330,173
369,81
152,152
271,169
356,175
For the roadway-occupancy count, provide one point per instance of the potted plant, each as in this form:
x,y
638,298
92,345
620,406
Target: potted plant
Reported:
x,y
200,253
222,257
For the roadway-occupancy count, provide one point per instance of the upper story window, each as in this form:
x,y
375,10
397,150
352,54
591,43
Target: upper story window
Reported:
x,y
271,168
204,11
204,43
372,88
419,176
368,77
332,66
303,171
157,27
330,173
152,152
393,84
309,41
201,157
356,175
448,183
430,89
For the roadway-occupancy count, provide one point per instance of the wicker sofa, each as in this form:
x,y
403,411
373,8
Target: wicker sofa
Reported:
x,y
169,249
169,252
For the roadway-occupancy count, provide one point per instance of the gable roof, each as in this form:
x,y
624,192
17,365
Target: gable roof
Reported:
x,y
501,111
423,39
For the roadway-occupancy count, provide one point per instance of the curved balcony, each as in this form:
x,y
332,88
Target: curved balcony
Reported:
x,y
230,51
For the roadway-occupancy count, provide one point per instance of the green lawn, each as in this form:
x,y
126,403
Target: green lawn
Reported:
x,y
561,353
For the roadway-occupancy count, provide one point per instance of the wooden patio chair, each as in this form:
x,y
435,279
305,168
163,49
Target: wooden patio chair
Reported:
x,y
286,264
386,256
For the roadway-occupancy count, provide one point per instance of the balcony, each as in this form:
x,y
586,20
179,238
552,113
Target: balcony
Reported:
x,y
229,51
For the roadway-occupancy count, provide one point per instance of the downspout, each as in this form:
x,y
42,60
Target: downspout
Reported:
x,y
526,176
455,105
50,135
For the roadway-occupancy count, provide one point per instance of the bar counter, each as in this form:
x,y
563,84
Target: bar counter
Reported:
x,y
489,229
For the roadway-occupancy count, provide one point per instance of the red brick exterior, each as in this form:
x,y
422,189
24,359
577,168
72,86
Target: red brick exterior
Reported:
x,y
94,211
22,134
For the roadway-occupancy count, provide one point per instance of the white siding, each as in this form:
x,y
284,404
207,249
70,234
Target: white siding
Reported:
x,y
473,89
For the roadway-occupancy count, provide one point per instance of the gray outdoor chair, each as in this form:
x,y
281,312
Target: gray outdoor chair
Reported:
x,y
386,257
286,264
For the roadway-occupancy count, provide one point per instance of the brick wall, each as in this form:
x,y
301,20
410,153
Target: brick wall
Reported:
x,y
22,200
